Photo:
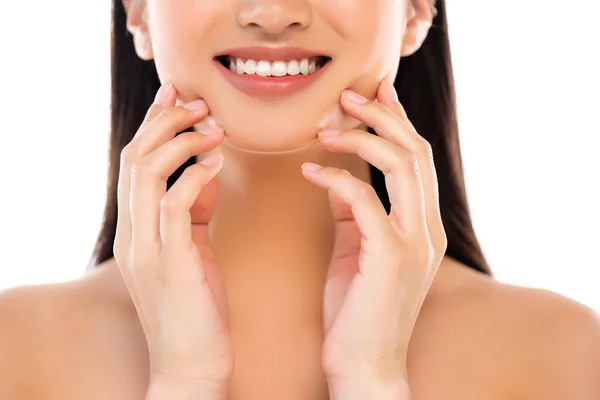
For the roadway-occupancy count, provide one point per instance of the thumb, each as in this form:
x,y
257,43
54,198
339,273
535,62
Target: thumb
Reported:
x,y
165,98
347,235
201,213
203,209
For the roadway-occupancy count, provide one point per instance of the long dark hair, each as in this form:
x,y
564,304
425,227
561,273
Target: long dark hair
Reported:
x,y
425,86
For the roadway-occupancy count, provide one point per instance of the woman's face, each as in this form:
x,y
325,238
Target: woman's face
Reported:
x,y
363,38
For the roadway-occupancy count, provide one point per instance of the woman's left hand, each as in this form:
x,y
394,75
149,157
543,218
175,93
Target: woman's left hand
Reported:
x,y
382,265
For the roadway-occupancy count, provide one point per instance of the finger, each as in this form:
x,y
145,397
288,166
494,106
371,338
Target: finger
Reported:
x,y
162,128
201,213
401,175
378,116
388,97
175,218
149,179
369,214
347,233
203,208
168,123
165,97
387,118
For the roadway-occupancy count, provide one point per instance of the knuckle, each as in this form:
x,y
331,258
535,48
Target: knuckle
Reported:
x,y
409,162
426,151
441,244
127,155
365,192
424,146
169,206
171,113
141,171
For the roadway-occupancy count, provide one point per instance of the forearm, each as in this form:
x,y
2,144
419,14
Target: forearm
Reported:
x,y
372,390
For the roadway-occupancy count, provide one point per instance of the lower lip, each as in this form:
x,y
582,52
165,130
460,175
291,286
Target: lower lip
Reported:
x,y
267,86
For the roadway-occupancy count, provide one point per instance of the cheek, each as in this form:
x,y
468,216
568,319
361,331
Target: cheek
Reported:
x,y
179,31
376,39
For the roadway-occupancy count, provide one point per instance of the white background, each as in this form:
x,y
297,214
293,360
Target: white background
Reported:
x,y
527,77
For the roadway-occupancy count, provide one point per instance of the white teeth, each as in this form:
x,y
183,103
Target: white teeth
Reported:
x,y
293,68
305,66
263,68
279,68
239,64
249,67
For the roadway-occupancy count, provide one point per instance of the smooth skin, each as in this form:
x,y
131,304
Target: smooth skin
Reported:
x,y
382,265
164,315
115,330
166,271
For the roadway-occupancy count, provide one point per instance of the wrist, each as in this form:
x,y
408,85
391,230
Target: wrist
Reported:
x,y
357,389
166,388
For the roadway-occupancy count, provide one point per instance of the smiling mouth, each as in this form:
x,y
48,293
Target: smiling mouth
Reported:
x,y
304,66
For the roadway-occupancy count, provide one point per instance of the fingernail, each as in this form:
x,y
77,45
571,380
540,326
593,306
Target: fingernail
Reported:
x,y
390,91
163,93
212,130
212,161
196,105
310,167
329,132
354,97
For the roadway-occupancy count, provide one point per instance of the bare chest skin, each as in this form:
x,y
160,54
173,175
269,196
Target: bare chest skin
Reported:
x,y
101,354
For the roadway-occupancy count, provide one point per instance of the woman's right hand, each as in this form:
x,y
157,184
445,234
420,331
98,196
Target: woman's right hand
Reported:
x,y
174,281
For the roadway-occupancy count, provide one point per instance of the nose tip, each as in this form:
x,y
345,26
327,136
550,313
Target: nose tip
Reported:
x,y
274,17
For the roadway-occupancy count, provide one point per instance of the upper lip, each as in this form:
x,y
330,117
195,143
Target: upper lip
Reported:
x,y
271,53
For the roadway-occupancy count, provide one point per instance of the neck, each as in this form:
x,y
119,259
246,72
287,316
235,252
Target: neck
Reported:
x,y
272,231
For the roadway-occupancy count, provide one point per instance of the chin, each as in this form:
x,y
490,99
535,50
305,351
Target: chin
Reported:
x,y
255,126
279,134
270,139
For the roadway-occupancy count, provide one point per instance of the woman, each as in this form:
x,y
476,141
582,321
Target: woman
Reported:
x,y
302,286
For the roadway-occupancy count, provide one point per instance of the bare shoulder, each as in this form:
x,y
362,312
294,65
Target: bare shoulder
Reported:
x,y
540,344
60,306
556,343
44,327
